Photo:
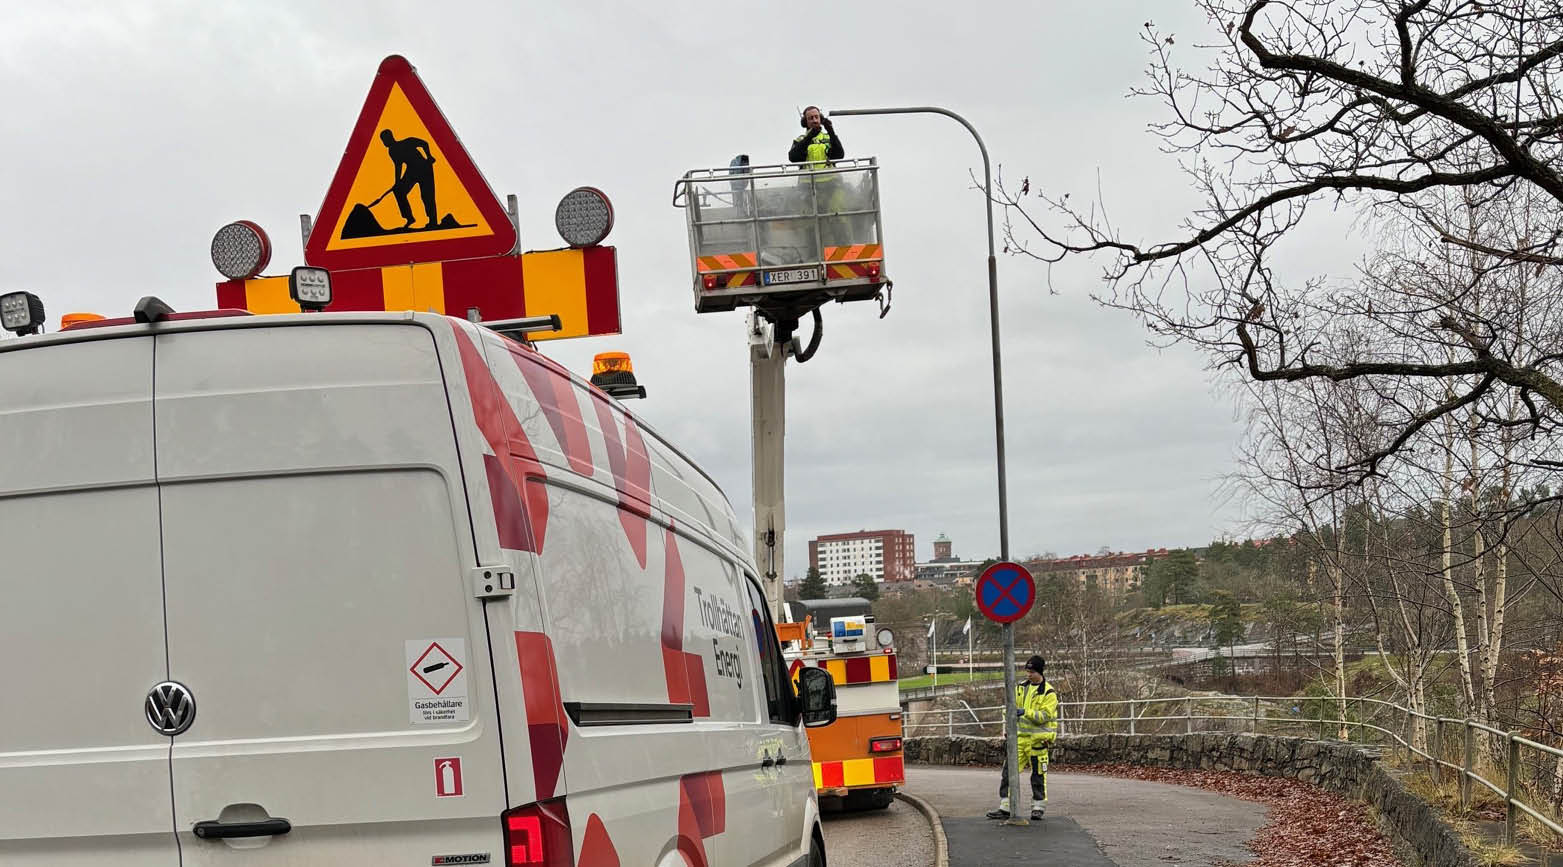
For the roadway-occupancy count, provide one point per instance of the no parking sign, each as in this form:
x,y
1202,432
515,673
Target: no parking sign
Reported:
x,y
1005,592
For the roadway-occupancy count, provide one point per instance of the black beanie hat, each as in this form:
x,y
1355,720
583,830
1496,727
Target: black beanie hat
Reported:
x,y
1037,664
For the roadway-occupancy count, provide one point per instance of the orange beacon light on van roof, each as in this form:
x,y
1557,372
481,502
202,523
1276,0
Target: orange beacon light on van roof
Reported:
x,y
70,319
614,373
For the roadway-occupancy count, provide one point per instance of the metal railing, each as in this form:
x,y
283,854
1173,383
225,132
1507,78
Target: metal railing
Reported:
x,y
1528,765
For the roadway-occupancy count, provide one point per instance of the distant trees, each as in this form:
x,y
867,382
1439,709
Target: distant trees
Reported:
x,y
865,586
812,586
1173,578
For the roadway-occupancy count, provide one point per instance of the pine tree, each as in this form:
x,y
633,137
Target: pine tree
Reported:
x,y
813,586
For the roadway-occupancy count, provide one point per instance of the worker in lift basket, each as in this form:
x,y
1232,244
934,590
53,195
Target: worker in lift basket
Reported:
x,y
815,149
1036,712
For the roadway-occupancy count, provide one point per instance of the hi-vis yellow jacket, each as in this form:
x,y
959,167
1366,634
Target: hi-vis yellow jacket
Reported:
x,y
1038,727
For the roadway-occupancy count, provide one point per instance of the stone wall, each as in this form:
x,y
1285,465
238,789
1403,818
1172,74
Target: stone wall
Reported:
x,y
1338,767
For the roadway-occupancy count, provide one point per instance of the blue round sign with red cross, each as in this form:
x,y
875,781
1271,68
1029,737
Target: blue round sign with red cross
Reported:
x,y
1005,592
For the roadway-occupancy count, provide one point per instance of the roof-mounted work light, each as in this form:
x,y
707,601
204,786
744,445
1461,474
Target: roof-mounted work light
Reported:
x,y
310,287
21,313
240,250
584,217
614,373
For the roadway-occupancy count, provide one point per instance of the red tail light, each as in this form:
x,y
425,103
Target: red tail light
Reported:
x,y
709,280
539,834
884,745
873,270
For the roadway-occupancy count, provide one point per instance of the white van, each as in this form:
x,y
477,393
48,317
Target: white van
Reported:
x,y
373,589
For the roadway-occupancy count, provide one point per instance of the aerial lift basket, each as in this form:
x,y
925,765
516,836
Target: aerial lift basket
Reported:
x,y
783,237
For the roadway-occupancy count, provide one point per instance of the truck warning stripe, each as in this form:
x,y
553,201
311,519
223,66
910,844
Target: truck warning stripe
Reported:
x,y
857,669
886,770
725,262
854,253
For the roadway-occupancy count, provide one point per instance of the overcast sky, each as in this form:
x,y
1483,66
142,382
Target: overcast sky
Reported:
x,y
130,133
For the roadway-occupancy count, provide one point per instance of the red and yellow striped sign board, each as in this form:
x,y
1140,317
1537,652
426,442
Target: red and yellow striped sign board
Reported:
x,y
881,771
848,670
581,285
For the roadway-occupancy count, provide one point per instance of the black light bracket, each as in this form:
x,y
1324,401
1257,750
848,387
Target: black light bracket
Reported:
x,y
624,392
519,328
152,309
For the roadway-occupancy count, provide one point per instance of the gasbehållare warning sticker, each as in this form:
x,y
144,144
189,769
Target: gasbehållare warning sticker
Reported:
x,y
436,680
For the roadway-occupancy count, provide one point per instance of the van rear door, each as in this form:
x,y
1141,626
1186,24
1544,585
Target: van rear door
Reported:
x,y
315,534
83,775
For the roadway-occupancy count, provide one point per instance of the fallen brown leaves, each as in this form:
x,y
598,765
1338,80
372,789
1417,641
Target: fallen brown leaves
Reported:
x,y
1307,827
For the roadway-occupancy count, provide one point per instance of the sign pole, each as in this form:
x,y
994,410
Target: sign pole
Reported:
x,y
1005,592
998,401
1017,815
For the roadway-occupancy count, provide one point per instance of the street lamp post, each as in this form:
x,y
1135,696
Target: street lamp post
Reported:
x,y
1017,816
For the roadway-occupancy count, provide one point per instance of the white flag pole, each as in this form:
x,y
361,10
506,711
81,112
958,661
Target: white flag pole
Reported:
x,y
971,675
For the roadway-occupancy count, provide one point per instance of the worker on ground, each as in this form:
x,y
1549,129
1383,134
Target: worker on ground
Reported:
x,y
815,149
1036,712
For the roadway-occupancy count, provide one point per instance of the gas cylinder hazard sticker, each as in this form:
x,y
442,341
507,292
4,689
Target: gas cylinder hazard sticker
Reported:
x,y
436,680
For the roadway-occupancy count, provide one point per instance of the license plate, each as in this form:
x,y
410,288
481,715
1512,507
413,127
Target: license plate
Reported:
x,y
792,275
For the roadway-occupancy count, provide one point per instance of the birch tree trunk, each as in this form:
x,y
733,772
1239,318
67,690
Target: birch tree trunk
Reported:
x,y
1456,609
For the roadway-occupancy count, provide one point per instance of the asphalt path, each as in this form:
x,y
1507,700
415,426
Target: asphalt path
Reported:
x,y
897,835
1091,821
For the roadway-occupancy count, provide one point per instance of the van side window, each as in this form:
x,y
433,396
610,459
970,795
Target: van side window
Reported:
x,y
778,689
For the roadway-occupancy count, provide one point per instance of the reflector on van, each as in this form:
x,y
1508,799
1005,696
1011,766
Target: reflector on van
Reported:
x,y
539,834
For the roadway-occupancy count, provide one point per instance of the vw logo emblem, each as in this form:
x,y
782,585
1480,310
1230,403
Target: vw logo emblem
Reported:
x,y
170,708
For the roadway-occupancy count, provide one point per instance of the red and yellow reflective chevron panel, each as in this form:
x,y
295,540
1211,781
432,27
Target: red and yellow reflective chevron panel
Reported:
x,y
884,771
581,285
853,260
733,262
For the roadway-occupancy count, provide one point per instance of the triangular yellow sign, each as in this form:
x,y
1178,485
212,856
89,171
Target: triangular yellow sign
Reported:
x,y
406,191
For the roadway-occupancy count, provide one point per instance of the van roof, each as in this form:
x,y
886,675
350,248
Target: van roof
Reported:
x,y
216,320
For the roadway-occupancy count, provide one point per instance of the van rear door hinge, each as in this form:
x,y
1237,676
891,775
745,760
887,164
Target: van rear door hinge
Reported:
x,y
490,582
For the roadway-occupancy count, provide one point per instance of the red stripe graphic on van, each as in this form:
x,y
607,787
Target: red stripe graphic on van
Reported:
x,y
597,849
502,430
631,468
515,531
546,728
702,813
556,394
685,672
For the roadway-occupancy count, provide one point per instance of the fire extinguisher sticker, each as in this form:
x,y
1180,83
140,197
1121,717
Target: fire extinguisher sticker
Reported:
x,y
447,777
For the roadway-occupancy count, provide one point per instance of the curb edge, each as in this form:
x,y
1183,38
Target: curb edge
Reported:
x,y
941,844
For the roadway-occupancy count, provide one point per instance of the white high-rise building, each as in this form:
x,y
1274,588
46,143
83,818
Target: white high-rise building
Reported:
x,y
886,555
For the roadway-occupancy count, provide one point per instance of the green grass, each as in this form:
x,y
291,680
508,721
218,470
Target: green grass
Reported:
x,y
927,679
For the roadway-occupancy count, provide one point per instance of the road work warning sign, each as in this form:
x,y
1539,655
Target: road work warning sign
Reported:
x,y
437,680
406,191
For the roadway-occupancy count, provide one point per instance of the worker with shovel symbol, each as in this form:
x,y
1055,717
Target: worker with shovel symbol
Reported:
x,y
414,164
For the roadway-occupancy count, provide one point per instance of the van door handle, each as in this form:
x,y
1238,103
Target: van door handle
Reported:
x,y
221,830
769,762
780,760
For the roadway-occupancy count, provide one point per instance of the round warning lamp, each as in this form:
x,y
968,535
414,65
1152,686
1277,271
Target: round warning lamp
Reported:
x,y
240,250
584,217
886,637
